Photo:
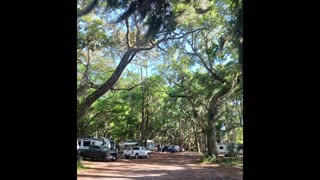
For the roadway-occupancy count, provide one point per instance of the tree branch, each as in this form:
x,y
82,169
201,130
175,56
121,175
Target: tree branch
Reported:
x,y
79,61
190,32
195,53
163,50
210,56
128,89
138,28
86,124
171,95
223,43
152,45
196,116
87,9
92,85
127,34
87,102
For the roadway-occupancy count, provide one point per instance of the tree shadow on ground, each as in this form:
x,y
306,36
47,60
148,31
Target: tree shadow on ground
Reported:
x,y
160,166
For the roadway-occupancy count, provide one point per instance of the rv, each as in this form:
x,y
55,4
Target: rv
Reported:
x,y
84,143
223,148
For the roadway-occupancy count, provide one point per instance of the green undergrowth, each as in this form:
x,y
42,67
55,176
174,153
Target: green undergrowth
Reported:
x,y
207,159
80,165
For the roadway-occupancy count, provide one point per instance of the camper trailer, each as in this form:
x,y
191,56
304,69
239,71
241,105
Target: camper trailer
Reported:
x,y
223,148
84,143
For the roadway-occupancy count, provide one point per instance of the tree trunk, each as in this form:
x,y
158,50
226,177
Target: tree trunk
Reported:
x,y
142,128
212,112
203,143
146,98
212,146
180,136
218,133
196,138
198,145
81,132
131,134
239,33
146,128
189,139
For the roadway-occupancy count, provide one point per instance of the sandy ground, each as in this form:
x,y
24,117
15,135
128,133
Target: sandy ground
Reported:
x,y
180,165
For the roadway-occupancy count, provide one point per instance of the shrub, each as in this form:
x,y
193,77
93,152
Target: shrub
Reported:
x,y
209,159
80,165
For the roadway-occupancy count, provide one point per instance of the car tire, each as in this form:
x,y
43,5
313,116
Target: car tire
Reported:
x,y
81,158
114,158
103,158
136,156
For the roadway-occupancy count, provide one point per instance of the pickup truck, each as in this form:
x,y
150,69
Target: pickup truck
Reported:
x,y
99,152
136,152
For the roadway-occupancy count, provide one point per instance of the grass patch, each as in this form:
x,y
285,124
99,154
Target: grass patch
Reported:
x,y
231,161
80,165
228,161
207,159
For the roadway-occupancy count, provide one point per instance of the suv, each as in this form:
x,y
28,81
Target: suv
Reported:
x,y
99,152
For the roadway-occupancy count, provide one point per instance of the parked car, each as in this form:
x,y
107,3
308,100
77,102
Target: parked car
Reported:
x,y
176,147
99,152
169,149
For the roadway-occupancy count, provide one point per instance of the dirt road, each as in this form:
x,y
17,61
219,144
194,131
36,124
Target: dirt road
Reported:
x,y
160,166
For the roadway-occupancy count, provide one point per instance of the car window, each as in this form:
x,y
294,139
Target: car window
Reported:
x,y
103,148
86,143
135,148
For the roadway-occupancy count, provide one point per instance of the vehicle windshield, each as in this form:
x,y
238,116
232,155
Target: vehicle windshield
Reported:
x,y
104,148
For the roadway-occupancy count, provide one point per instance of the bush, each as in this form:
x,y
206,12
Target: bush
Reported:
x,y
232,152
209,159
79,165
79,157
